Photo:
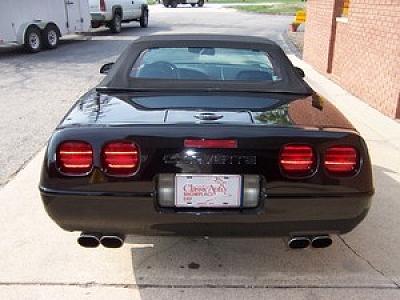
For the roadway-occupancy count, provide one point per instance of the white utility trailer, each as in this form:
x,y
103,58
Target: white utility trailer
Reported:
x,y
38,24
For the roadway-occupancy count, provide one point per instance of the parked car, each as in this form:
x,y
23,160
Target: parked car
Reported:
x,y
112,13
205,135
39,24
174,3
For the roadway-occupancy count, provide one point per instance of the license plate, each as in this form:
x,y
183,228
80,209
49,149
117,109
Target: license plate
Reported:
x,y
216,191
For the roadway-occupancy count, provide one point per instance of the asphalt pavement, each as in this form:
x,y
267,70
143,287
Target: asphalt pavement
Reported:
x,y
40,261
37,90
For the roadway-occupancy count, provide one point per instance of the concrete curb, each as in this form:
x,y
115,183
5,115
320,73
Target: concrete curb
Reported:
x,y
291,45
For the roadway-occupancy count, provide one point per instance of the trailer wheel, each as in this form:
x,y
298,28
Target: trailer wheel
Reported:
x,y
193,4
200,3
115,24
174,3
51,36
33,39
144,18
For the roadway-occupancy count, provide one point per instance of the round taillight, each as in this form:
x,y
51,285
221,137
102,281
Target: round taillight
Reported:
x,y
341,160
74,158
297,160
120,158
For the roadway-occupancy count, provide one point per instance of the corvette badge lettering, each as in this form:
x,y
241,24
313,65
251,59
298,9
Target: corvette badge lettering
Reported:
x,y
196,158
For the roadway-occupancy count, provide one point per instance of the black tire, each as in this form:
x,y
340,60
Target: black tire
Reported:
x,y
33,39
200,3
95,24
144,18
51,36
174,4
193,4
166,4
116,23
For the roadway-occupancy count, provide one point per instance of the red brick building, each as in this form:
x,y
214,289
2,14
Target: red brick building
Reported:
x,y
357,42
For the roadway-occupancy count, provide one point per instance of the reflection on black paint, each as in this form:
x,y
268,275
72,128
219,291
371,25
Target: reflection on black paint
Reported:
x,y
274,117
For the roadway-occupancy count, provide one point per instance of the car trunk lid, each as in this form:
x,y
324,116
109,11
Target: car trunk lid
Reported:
x,y
193,116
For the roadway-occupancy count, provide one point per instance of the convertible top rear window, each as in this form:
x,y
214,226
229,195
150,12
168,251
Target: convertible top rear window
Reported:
x,y
205,64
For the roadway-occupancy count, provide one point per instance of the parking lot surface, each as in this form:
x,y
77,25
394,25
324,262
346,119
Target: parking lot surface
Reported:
x,y
40,261
37,90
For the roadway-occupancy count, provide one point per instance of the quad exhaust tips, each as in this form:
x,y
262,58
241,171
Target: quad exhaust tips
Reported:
x,y
299,242
302,242
89,240
93,240
323,241
112,241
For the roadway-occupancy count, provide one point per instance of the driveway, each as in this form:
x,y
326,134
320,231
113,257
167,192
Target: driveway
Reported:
x,y
40,261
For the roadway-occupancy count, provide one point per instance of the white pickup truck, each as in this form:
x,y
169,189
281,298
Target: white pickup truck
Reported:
x,y
112,13
174,3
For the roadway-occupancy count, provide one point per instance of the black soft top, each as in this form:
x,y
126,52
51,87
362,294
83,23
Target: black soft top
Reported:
x,y
119,79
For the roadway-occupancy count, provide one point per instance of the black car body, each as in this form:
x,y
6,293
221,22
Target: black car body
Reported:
x,y
303,169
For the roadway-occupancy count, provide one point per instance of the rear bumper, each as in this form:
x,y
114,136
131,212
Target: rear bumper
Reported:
x,y
101,17
138,214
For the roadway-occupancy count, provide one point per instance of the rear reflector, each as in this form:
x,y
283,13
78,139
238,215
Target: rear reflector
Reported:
x,y
75,158
102,5
297,160
341,160
120,158
221,144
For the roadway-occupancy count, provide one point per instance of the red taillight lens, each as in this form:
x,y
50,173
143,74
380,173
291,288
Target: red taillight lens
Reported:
x,y
341,160
221,144
120,158
297,160
75,158
102,5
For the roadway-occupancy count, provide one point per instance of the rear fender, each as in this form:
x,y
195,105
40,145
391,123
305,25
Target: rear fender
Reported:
x,y
41,24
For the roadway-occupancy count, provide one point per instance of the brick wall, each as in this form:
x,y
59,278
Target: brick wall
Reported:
x,y
318,33
361,52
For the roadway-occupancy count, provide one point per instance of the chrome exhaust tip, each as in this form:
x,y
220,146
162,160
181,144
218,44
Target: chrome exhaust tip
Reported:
x,y
299,242
322,241
112,240
89,240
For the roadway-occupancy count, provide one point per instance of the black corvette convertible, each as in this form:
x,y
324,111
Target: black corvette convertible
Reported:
x,y
205,135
